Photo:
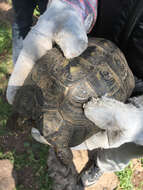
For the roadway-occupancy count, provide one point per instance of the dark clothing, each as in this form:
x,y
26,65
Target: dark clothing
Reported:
x,y
23,21
107,12
113,17
24,13
134,50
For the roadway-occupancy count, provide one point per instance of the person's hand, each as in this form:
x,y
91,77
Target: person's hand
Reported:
x,y
121,122
61,23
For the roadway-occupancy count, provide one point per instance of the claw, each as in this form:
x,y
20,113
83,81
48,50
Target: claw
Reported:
x,y
65,155
71,170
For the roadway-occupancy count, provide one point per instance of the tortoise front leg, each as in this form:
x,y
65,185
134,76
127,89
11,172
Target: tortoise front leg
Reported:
x,y
60,141
58,132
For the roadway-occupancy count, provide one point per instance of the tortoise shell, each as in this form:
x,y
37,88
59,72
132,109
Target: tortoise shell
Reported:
x,y
56,89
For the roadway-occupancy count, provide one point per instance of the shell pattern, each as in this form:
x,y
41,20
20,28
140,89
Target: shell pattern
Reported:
x,y
56,89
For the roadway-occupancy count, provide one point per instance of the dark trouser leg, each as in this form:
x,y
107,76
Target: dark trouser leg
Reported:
x,y
17,42
118,158
42,4
22,24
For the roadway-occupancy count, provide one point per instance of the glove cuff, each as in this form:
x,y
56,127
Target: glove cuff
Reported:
x,y
87,9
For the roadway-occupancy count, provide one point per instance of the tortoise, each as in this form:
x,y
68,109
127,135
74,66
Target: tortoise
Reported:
x,y
56,89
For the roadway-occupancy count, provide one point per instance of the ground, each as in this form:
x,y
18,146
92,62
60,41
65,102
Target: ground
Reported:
x,y
28,157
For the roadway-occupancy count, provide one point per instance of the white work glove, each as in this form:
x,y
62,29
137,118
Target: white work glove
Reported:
x,y
61,23
121,123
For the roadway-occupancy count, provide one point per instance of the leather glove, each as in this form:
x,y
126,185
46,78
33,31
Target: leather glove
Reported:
x,y
120,123
64,22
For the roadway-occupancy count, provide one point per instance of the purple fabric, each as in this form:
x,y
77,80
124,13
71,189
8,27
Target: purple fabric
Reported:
x,y
85,7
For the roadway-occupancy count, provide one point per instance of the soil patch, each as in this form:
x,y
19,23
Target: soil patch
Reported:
x,y
137,176
28,156
6,12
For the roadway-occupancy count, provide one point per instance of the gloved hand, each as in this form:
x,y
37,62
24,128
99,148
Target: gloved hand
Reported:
x,y
64,22
122,123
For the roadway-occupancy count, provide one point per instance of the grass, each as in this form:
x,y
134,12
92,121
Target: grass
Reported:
x,y
29,158
125,179
5,110
5,38
26,160
142,162
5,67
